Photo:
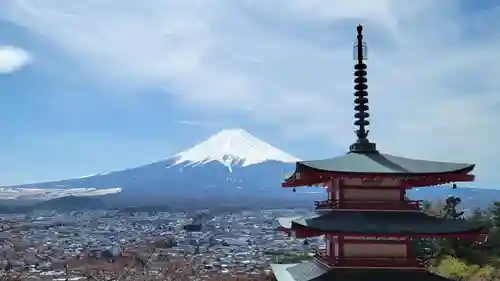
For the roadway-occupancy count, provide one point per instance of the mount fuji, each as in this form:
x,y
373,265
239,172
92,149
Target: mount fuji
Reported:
x,y
230,165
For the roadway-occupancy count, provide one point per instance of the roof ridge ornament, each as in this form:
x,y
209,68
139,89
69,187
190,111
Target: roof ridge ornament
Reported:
x,y
362,144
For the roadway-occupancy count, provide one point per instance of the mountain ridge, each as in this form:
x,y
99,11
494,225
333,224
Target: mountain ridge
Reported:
x,y
231,166
210,150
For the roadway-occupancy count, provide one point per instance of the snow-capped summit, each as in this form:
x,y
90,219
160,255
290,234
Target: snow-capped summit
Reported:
x,y
233,146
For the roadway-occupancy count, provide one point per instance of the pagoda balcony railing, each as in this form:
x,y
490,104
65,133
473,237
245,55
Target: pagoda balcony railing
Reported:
x,y
368,262
406,205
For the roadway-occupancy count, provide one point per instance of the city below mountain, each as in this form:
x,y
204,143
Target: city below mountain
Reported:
x,y
231,166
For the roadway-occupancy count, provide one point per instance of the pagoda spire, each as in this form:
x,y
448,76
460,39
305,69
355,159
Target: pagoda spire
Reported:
x,y
361,115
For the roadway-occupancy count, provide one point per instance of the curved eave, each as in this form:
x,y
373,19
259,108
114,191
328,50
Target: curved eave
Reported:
x,y
302,232
307,176
304,169
377,162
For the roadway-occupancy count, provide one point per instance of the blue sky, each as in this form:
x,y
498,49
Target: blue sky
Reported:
x,y
91,86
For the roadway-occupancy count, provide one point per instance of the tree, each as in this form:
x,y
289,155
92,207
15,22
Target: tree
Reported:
x,y
479,216
494,212
494,232
450,208
451,246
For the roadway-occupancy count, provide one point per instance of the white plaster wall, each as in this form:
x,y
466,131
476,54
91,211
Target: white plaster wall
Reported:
x,y
375,250
382,182
372,194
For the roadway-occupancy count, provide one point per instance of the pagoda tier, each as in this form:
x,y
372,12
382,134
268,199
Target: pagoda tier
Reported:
x,y
379,224
383,194
376,166
313,271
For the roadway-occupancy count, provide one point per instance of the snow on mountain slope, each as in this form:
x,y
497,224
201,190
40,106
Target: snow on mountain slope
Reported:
x,y
230,147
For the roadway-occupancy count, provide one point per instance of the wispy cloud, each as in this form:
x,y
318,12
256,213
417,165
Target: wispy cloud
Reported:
x,y
433,72
13,59
196,123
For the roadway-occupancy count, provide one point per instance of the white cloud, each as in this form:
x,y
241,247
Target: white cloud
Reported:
x,y
13,59
433,72
196,123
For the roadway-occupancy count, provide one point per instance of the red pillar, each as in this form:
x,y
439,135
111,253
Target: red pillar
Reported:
x,y
331,245
340,192
331,194
409,248
341,247
332,189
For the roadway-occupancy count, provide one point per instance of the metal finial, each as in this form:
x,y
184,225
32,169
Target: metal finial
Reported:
x,y
361,108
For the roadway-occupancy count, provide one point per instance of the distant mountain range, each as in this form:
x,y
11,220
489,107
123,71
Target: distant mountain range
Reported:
x,y
230,166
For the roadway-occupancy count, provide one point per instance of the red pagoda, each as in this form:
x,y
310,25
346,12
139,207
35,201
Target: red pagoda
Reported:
x,y
367,221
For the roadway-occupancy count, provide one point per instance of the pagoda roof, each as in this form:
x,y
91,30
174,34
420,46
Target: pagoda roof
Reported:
x,y
375,164
379,163
311,271
381,223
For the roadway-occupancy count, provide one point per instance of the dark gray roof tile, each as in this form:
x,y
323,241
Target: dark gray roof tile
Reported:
x,y
366,222
310,271
384,164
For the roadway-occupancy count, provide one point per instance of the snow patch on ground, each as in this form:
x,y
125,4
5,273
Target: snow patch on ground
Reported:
x,y
52,193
